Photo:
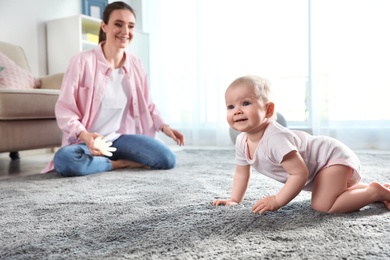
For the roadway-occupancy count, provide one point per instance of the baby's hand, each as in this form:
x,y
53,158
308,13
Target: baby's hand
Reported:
x,y
266,204
104,146
228,202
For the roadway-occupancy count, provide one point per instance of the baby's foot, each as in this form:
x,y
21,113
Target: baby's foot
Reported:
x,y
387,203
384,190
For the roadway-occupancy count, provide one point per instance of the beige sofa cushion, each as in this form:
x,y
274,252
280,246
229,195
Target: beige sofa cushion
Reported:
x,y
15,53
12,76
18,104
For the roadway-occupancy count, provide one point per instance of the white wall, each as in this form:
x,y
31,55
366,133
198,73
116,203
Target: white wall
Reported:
x,y
23,22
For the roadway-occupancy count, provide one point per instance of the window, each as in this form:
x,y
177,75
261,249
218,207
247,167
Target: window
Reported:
x,y
328,61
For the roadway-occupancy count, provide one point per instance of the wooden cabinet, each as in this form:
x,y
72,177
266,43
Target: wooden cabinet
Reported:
x,y
68,36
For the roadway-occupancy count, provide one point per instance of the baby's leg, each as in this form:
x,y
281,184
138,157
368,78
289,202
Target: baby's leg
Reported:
x,y
380,187
331,194
387,186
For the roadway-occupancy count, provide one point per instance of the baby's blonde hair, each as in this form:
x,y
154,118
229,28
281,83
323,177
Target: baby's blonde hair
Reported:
x,y
261,87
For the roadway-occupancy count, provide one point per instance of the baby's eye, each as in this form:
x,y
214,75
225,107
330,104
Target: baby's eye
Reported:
x,y
230,107
246,103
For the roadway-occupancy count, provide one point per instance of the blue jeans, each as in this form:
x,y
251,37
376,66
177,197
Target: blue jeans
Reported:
x,y
76,160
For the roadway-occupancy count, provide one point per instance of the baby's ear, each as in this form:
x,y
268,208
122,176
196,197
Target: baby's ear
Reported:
x,y
270,109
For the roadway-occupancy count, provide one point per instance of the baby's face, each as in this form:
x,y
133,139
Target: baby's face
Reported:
x,y
245,111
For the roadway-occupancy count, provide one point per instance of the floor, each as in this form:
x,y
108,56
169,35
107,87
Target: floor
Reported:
x,y
30,162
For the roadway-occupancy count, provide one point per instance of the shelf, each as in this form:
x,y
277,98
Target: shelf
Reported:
x,y
70,35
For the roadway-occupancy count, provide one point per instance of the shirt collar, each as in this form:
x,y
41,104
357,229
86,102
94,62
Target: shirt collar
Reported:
x,y
102,63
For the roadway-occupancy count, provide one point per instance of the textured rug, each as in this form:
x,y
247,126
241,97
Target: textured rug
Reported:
x,y
143,214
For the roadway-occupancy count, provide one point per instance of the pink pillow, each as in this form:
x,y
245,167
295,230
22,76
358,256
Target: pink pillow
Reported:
x,y
13,76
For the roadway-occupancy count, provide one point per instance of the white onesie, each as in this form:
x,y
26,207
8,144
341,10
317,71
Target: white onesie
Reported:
x,y
318,152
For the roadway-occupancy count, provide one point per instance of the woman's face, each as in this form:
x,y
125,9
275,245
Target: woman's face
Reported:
x,y
120,28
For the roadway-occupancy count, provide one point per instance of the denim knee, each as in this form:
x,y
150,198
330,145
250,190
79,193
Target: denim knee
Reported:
x,y
73,160
62,164
168,160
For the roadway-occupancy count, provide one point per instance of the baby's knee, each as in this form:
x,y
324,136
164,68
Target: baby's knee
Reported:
x,y
321,207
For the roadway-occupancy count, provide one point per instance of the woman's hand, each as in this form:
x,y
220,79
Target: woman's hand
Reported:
x,y
228,202
104,146
266,204
89,139
174,134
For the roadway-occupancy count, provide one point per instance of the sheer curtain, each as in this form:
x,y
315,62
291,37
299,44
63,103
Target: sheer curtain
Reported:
x,y
350,71
327,59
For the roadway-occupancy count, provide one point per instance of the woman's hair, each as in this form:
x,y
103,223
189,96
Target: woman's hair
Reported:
x,y
261,87
107,12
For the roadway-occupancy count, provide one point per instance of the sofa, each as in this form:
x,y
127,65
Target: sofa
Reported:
x,y
27,119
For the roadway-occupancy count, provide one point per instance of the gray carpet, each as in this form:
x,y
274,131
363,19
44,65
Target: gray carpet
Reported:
x,y
142,214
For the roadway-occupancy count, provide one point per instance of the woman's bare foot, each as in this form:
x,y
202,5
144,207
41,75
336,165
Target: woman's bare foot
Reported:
x,y
119,164
384,190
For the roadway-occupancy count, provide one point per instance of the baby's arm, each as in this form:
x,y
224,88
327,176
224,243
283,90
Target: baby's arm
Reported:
x,y
298,175
240,184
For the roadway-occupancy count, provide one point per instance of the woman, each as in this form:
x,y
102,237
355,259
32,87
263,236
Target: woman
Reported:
x,y
105,93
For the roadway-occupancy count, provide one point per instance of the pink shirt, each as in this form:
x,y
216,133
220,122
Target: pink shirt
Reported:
x,y
318,152
82,92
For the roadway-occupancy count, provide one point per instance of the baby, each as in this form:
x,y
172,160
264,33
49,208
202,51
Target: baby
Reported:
x,y
320,164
